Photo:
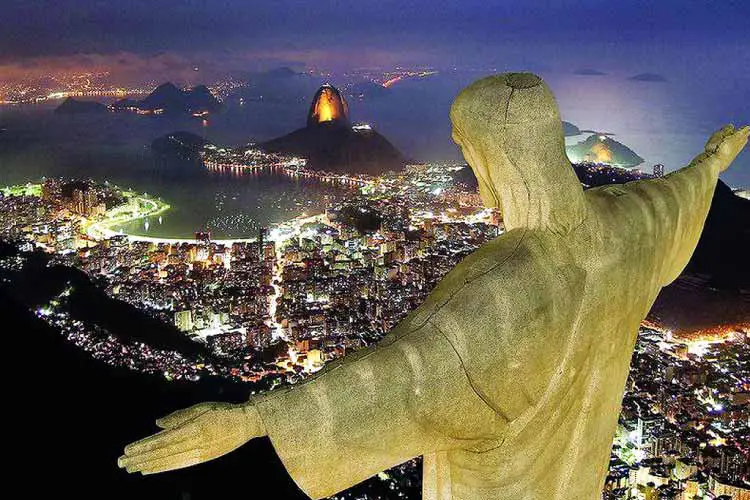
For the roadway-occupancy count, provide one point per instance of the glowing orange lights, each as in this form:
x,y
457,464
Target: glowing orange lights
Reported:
x,y
393,80
327,106
602,153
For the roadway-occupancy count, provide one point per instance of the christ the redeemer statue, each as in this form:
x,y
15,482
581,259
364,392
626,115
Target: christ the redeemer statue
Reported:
x,y
508,380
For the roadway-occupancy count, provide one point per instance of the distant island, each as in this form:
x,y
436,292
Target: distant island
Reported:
x,y
603,149
570,130
589,72
168,99
648,77
277,86
330,142
71,106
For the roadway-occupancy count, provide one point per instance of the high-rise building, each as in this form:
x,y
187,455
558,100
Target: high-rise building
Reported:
x,y
719,486
183,320
269,251
85,201
78,205
50,190
202,253
732,463
261,241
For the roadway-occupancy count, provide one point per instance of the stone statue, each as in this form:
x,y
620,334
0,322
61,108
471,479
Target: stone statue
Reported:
x,y
509,378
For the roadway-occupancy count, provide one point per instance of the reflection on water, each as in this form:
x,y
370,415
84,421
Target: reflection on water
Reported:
x,y
231,205
115,147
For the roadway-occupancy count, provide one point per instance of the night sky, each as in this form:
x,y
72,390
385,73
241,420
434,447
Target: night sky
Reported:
x,y
665,36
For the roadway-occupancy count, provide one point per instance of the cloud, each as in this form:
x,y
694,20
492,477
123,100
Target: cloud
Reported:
x,y
648,77
589,72
125,68
132,69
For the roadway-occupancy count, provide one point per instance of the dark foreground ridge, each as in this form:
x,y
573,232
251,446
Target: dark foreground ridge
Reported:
x,y
71,416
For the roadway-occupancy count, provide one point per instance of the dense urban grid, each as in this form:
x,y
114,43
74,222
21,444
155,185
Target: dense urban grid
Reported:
x,y
276,307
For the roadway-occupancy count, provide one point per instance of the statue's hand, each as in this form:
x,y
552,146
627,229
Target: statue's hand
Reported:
x,y
193,435
726,144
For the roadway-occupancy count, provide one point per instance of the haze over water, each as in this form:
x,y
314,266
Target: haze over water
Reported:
x,y
663,121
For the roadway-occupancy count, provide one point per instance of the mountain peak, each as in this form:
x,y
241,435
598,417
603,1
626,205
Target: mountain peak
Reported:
x,y
328,105
168,98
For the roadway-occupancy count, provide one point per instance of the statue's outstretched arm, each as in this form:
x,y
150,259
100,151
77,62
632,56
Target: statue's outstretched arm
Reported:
x,y
378,407
193,435
679,202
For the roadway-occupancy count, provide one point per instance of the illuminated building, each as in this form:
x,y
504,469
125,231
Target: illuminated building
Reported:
x,y
85,202
183,320
202,253
719,486
269,251
732,464
262,232
50,190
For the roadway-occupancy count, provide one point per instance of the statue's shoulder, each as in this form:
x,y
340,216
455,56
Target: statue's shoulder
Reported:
x,y
519,263
512,319
524,267
518,258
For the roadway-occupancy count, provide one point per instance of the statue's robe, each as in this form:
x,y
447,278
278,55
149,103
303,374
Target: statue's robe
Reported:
x,y
525,345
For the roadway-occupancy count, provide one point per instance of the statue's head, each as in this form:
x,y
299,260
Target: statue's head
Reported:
x,y
509,129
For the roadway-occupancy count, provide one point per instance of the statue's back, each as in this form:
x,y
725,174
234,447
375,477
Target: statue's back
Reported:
x,y
545,325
